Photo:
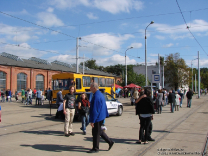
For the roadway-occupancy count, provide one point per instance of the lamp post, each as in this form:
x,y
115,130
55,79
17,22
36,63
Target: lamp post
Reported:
x,y
146,54
126,66
192,73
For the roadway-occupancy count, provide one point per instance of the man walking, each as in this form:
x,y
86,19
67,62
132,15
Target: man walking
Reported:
x,y
98,112
189,95
171,100
38,97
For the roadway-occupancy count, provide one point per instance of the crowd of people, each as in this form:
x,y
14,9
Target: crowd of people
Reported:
x,y
95,111
27,95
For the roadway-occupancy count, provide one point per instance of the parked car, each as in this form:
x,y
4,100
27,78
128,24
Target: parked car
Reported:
x,y
113,105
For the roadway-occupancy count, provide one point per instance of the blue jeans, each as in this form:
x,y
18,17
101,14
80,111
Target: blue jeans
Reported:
x,y
172,105
181,102
85,122
189,103
159,109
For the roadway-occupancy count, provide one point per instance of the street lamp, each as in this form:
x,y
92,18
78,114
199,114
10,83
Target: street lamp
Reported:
x,y
126,65
146,54
192,72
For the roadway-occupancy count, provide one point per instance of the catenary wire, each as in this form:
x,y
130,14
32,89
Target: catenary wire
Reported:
x,y
189,29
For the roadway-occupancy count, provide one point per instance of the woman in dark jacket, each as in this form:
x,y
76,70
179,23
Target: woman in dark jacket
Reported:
x,y
144,109
84,106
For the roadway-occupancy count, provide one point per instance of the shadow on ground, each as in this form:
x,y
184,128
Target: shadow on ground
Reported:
x,y
55,133
57,148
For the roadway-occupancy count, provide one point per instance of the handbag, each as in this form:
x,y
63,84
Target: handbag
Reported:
x,y
85,109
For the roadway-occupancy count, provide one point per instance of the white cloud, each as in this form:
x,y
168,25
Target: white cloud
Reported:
x,y
50,9
23,51
91,16
112,6
48,19
21,38
64,58
64,4
136,45
18,34
160,37
168,45
105,41
180,31
115,59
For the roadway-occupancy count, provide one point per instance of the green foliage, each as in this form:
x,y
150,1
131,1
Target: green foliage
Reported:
x,y
90,64
176,71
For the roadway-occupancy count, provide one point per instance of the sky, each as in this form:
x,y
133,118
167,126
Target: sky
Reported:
x,y
106,29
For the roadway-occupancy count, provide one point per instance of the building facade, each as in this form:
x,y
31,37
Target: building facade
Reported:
x,y
17,73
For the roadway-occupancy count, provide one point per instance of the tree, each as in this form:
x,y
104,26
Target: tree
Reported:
x,y
116,69
176,71
90,64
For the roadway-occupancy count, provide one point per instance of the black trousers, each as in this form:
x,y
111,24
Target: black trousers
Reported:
x,y
96,133
144,126
38,100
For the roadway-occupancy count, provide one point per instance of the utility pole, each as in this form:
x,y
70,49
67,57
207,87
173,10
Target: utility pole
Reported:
x,y
195,82
83,63
198,77
159,69
163,77
77,56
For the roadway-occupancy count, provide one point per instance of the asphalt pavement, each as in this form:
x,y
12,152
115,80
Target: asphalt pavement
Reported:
x,y
30,130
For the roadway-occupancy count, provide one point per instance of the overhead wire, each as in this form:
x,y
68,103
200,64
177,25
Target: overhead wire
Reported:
x,y
189,29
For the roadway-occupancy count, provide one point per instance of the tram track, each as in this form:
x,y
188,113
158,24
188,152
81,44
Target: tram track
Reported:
x,y
173,126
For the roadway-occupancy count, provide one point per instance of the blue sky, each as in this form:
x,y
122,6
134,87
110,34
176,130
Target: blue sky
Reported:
x,y
106,27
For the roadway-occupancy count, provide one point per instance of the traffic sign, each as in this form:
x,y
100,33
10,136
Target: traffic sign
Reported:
x,y
156,78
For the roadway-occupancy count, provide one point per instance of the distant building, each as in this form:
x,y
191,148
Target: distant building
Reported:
x,y
154,70
17,73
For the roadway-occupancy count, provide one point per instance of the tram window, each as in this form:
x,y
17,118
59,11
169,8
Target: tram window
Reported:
x,y
95,79
102,82
86,81
78,83
108,82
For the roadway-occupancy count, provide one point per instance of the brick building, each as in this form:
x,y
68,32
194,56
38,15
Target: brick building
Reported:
x,y
17,73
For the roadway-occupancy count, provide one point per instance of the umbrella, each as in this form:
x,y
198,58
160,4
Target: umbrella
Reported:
x,y
117,86
132,86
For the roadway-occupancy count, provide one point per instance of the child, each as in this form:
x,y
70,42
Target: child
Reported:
x,y
42,99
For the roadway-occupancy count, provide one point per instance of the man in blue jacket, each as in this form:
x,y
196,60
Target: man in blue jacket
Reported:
x,y
98,112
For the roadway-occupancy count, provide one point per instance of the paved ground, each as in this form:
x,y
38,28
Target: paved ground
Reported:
x,y
30,130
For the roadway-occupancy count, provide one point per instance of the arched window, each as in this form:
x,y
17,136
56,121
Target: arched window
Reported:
x,y
21,81
2,80
40,82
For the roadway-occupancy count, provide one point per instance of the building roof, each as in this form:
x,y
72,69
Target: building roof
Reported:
x,y
13,60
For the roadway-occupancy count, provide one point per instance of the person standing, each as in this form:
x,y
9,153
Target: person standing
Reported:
x,y
69,110
59,99
46,93
35,91
160,101
189,95
16,95
49,95
177,101
38,97
171,100
84,106
98,113
181,95
145,111
10,95
112,92
135,95
7,95
23,95
3,96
